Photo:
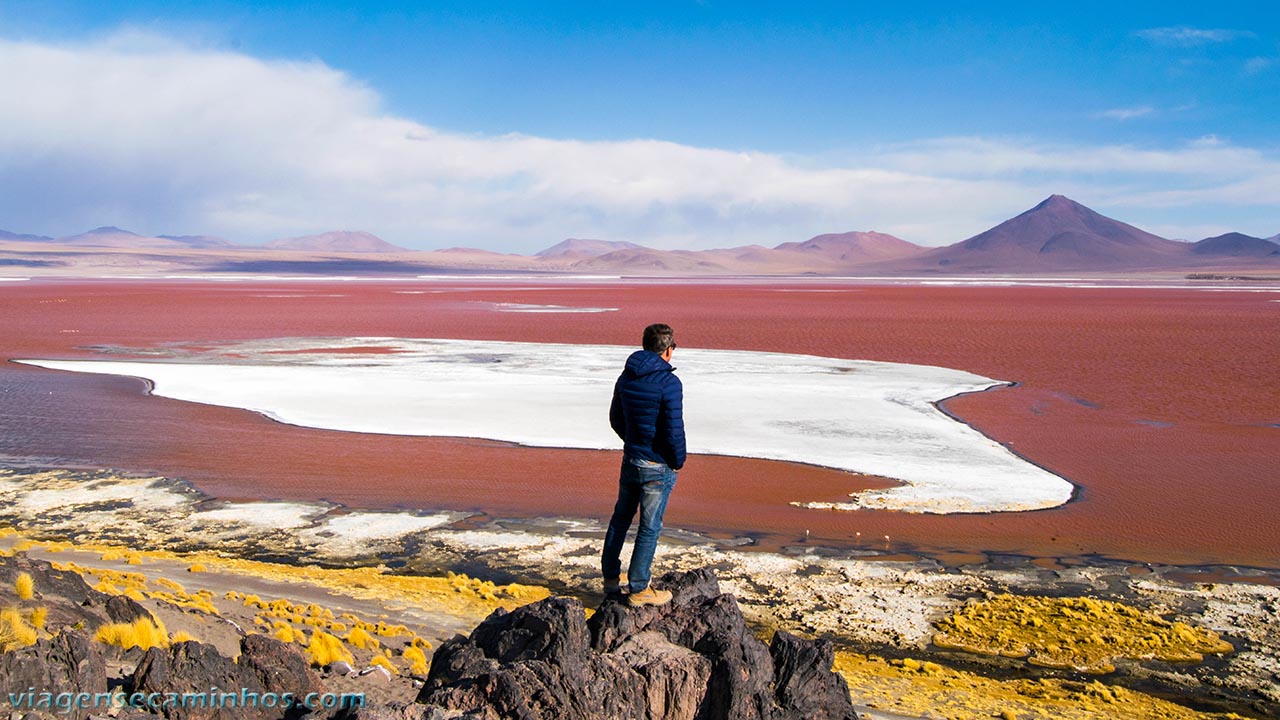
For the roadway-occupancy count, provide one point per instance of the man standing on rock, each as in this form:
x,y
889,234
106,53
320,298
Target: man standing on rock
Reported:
x,y
647,413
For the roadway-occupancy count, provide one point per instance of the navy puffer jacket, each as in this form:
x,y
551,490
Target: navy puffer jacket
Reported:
x,y
648,410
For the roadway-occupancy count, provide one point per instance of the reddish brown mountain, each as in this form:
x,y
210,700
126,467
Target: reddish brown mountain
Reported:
x,y
347,241
113,237
854,247
1059,234
584,248
644,260
824,254
1236,245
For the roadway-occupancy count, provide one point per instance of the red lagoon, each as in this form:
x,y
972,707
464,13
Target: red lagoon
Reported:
x,y
1162,405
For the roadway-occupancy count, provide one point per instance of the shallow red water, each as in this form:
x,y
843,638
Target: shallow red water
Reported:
x,y
1162,405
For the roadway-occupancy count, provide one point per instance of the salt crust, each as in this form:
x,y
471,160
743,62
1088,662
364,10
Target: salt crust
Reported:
x,y
868,417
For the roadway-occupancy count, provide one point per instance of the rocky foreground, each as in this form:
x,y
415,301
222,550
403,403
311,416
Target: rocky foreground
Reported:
x,y
694,658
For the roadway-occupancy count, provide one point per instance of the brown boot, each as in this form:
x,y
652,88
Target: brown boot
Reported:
x,y
612,586
649,596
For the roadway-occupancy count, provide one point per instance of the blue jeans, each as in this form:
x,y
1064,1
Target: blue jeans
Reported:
x,y
642,485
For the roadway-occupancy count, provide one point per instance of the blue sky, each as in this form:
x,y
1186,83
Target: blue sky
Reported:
x,y
531,122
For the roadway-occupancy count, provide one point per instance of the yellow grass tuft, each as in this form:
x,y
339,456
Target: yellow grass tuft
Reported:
x,y
417,660
385,630
37,617
360,638
182,636
382,662
14,631
105,587
140,633
24,586
197,568
133,558
284,632
325,649
165,582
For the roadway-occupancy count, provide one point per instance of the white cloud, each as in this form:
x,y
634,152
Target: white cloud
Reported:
x,y
1256,65
144,133
1126,113
1207,157
1188,36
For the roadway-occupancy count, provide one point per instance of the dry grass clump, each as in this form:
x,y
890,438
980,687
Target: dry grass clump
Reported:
x,y
141,633
417,660
15,631
359,637
325,649
182,636
24,586
1077,633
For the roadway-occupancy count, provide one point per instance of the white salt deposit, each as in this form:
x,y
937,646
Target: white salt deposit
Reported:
x,y
263,514
526,308
136,492
868,417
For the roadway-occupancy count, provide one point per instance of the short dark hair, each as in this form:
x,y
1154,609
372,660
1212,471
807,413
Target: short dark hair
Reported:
x,y
658,337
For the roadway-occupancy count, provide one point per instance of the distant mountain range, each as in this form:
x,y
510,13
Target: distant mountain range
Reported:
x,y
1058,235
1237,245
351,241
576,248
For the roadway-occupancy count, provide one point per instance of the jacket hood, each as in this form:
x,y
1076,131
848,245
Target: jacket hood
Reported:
x,y
643,362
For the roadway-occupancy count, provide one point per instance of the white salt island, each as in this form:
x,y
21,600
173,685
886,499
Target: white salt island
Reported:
x,y
875,418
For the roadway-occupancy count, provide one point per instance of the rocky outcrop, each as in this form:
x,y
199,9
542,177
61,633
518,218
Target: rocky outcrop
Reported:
x,y
193,667
123,609
694,659
256,686
67,663
279,666
66,597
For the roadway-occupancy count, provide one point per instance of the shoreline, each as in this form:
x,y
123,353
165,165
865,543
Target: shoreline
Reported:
x,y
881,615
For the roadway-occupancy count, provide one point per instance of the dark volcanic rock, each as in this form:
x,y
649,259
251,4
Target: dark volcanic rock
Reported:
x,y
48,581
69,600
693,659
801,677
66,663
123,609
193,667
279,666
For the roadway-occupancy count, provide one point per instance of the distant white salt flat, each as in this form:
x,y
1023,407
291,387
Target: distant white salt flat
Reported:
x,y
868,417
527,308
12,279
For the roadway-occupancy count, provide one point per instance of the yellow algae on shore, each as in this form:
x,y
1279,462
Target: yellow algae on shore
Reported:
x,y
454,592
1077,633
924,689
